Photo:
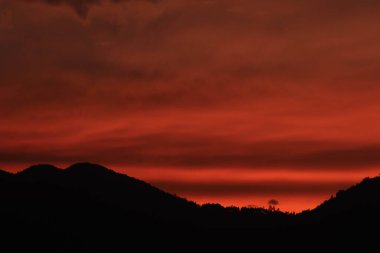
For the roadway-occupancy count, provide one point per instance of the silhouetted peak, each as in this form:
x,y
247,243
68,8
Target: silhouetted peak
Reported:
x,y
375,180
40,169
88,168
4,174
362,195
366,186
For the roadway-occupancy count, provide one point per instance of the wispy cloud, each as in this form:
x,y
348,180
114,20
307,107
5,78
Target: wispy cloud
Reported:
x,y
82,7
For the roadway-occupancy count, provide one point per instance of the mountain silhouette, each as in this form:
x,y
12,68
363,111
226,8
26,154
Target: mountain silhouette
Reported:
x,y
361,196
4,174
43,172
92,208
112,188
357,206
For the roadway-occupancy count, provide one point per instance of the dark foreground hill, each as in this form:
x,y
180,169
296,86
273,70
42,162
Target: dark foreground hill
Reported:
x,y
357,207
89,208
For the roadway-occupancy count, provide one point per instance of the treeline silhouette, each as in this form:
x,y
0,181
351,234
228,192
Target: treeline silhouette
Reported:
x,y
94,209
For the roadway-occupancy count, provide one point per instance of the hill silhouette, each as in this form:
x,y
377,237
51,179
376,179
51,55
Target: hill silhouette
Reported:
x,y
356,207
361,196
88,207
110,187
4,174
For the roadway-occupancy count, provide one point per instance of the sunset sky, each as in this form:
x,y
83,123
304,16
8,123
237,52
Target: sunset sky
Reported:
x,y
236,102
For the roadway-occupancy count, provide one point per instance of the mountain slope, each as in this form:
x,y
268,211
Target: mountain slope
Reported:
x,y
4,174
110,187
41,172
361,196
356,208
92,208
101,185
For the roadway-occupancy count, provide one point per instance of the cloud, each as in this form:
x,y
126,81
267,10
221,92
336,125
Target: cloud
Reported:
x,y
82,7
186,151
200,150
263,76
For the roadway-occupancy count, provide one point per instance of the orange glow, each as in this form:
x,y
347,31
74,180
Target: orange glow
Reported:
x,y
314,187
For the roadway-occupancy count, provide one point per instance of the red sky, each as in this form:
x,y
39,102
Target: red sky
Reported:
x,y
236,102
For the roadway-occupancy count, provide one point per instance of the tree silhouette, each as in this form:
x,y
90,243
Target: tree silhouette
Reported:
x,y
272,204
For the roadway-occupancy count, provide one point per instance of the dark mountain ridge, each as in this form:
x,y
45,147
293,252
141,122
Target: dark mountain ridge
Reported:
x,y
108,186
88,203
365,194
356,207
4,174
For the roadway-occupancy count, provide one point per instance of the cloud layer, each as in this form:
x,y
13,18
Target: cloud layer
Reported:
x,y
82,7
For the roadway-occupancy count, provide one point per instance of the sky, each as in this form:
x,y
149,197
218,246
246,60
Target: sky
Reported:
x,y
236,102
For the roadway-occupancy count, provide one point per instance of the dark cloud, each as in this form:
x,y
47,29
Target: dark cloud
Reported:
x,y
196,54
200,150
82,7
194,151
